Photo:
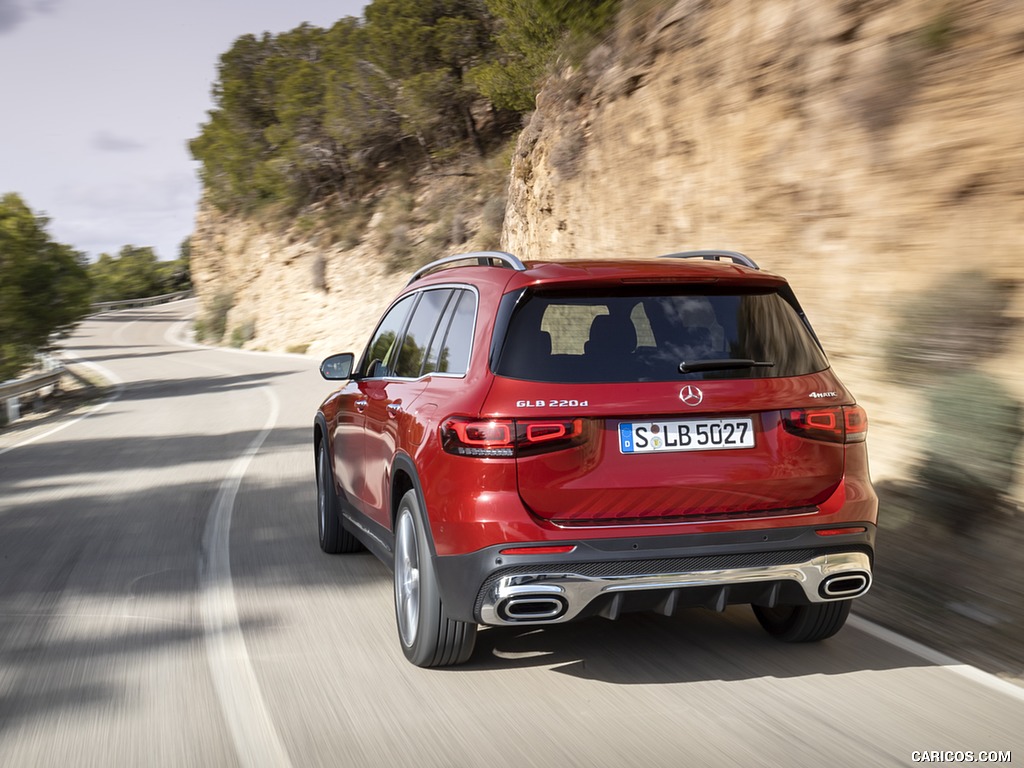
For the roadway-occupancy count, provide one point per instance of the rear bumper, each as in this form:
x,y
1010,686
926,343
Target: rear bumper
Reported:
x,y
558,597
610,577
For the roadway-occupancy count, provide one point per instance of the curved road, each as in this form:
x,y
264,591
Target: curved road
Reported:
x,y
163,602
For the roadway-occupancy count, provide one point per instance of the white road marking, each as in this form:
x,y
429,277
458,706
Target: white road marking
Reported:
x,y
253,733
118,337
106,373
938,658
256,739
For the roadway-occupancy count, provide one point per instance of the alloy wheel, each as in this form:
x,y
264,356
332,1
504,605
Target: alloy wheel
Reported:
x,y
321,493
407,579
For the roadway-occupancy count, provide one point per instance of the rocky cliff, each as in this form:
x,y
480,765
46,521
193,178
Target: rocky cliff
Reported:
x,y
870,150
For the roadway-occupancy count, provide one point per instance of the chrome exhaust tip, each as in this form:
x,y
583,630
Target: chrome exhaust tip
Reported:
x,y
532,608
845,585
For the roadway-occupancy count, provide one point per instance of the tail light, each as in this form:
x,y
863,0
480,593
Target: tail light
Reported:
x,y
507,438
487,439
839,424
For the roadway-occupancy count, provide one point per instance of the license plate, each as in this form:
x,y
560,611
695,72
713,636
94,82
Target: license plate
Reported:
x,y
689,435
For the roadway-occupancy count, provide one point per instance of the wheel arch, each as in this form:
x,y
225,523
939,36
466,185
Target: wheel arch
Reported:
x,y
404,478
319,431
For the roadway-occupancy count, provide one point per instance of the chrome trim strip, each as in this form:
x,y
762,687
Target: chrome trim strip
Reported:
x,y
579,591
358,524
706,520
405,327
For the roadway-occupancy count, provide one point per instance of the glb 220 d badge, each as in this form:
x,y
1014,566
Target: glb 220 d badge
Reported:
x,y
552,403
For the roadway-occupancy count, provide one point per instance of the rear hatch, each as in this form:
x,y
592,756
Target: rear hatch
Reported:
x,y
674,403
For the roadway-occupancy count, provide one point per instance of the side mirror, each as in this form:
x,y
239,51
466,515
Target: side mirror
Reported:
x,y
338,367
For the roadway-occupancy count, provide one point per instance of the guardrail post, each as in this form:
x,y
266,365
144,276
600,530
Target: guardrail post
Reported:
x,y
13,409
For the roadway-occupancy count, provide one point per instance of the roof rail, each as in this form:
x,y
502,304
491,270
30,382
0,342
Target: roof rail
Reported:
x,y
482,258
714,255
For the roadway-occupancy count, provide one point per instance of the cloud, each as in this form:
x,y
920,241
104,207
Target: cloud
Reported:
x,y
156,210
15,12
11,15
108,142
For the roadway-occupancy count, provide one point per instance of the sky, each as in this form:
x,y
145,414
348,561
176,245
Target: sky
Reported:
x,y
99,98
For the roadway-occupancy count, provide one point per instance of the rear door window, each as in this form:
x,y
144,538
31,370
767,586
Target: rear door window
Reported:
x,y
633,337
435,353
421,330
454,343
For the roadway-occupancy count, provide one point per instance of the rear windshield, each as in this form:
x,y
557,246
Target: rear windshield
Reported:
x,y
628,338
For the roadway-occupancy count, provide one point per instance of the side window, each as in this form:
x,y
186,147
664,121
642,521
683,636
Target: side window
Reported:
x,y
420,331
380,352
433,360
453,354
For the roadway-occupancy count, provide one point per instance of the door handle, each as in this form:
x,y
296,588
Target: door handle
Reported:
x,y
361,405
394,409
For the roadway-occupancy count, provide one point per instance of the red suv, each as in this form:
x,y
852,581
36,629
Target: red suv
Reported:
x,y
532,443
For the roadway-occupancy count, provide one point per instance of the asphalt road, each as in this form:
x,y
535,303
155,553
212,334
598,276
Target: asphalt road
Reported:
x,y
163,602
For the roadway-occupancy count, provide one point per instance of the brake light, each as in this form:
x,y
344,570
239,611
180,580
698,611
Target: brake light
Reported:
x,y
839,424
506,438
486,439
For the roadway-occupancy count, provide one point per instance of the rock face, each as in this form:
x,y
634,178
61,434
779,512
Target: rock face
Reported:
x,y
318,283
285,292
868,150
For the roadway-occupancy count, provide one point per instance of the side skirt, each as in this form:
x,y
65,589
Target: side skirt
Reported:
x,y
375,537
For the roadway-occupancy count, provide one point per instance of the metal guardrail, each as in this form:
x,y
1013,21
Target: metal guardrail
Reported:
x,y
106,306
11,391
17,387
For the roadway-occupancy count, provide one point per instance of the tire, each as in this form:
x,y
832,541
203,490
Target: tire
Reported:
x,y
804,623
334,539
428,637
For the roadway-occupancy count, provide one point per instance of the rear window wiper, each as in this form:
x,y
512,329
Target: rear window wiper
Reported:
x,y
724,364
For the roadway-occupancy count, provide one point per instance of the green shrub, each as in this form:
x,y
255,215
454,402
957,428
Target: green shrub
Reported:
x,y
937,35
968,466
492,219
974,427
213,323
952,326
243,333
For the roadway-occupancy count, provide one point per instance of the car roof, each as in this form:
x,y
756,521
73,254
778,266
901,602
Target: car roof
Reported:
x,y
569,273
637,271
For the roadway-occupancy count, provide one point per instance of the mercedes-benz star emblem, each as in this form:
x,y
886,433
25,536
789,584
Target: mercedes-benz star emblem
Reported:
x,y
691,395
